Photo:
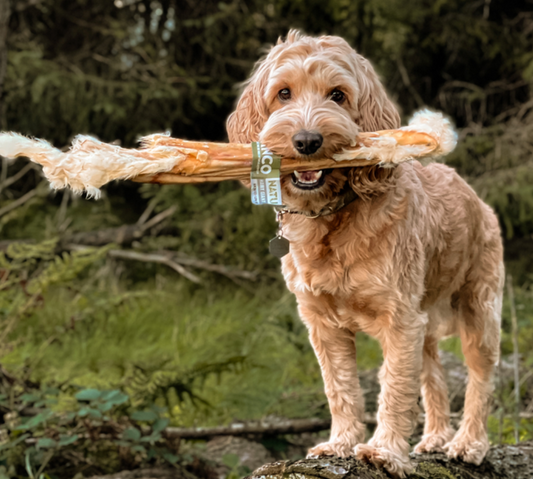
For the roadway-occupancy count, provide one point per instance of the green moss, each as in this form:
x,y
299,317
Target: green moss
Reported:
x,y
430,470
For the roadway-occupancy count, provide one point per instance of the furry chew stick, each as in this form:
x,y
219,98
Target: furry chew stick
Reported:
x,y
90,163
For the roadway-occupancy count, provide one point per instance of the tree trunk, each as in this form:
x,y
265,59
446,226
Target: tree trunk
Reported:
x,y
5,12
502,462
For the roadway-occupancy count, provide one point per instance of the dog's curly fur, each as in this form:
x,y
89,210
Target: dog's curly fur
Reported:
x,y
417,256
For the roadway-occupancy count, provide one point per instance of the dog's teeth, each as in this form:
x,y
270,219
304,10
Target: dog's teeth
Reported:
x,y
317,175
308,178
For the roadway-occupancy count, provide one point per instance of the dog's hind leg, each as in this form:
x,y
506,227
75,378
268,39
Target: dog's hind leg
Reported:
x,y
480,338
437,430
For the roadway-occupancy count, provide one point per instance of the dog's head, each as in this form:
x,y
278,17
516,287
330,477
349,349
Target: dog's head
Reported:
x,y
309,98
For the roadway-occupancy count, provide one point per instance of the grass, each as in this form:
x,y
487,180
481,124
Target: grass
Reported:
x,y
102,336
243,355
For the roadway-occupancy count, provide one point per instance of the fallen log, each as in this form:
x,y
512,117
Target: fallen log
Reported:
x,y
286,426
280,427
502,462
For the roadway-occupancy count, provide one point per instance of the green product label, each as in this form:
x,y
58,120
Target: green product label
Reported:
x,y
265,176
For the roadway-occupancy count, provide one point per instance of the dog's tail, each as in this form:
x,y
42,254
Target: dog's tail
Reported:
x,y
437,125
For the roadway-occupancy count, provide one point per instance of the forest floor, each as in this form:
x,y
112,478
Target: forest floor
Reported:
x,y
105,369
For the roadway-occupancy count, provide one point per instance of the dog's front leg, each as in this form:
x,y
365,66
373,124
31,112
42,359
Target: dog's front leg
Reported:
x,y
402,344
335,350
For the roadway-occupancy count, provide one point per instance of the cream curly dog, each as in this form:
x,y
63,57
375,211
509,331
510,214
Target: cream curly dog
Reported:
x,y
413,256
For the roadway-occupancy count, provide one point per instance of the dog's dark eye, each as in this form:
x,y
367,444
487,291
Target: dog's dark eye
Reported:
x,y
284,94
337,96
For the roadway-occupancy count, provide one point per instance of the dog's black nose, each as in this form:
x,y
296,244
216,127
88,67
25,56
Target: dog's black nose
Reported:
x,y
307,142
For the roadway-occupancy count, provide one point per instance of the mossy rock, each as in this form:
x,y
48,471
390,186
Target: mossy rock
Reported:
x,y
502,462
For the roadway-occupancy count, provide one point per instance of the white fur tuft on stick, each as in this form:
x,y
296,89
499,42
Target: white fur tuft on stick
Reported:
x,y
89,163
396,146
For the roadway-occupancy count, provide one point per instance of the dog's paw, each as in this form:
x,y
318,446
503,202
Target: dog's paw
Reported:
x,y
397,464
331,448
434,442
467,450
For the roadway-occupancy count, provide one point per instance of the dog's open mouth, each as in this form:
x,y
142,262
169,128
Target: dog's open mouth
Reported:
x,y
308,180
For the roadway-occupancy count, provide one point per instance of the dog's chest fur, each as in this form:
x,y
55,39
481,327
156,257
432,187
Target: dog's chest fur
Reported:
x,y
415,244
343,264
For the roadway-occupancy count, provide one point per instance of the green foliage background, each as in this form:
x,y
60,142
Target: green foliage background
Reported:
x,y
120,70
218,351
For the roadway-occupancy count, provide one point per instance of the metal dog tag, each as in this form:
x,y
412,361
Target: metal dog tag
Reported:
x,y
279,246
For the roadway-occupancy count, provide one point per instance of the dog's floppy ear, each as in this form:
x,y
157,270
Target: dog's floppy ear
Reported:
x,y
370,181
250,115
376,111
